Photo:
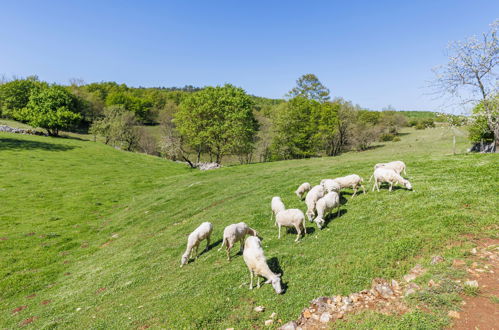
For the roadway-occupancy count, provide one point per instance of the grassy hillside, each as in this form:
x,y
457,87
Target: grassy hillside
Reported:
x,y
91,237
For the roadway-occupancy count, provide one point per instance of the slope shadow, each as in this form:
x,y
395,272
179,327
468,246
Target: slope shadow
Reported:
x,y
15,144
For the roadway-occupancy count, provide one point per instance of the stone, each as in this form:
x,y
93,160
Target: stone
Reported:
x,y
325,317
289,326
454,314
273,315
436,260
458,263
417,270
473,251
229,329
259,309
473,284
395,285
337,299
409,291
347,301
474,265
315,317
384,290
431,283
409,277
307,314
269,322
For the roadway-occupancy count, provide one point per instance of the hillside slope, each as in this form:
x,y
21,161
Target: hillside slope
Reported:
x,y
91,237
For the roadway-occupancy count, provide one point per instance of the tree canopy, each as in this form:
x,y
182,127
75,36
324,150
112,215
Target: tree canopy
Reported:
x,y
310,87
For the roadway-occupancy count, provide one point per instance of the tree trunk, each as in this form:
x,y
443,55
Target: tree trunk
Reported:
x,y
496,137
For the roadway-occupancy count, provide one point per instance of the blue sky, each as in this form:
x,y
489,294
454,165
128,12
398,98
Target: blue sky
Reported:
x,y
374,53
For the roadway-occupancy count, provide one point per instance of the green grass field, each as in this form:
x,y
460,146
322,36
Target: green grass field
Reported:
x,y
91,237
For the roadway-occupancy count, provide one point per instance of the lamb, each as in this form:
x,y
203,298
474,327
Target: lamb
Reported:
x,y
236,233
353,181
291,218
302,189
200,233
312,197
257,264
398,166
330,185
276,205
326,204
383,174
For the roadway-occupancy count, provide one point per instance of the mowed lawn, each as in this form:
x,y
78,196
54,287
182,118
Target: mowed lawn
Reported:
x,y
91,237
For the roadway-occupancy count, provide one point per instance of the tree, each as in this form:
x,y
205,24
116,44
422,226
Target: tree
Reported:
x,y
472,74
310,87
218,118
118,127
14,95
52,108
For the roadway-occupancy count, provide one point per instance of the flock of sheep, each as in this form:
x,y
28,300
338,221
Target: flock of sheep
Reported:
x,y
320,200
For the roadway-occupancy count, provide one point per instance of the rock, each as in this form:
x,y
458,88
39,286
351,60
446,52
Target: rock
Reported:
x,y
409,277
473,251
454,314
384,290
325,317
78,309
289,326
473,284
395,285
269,322
207,166
458,263
337,299
307,314
347,301
436,260
417,270
431,283
273,315
474,265
259,309
229,329
409,291
341,315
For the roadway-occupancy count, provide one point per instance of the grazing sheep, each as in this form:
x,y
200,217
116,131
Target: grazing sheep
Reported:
x,y
325,205
330,185
236,233
302,189
398,166
257,264
276,205
351,181
291,218
383,174
200,233
312,197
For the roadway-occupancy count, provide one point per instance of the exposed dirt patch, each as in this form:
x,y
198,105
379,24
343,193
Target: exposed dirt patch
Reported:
x,y
18,309
105,244
31,296
481,312
3,238
46,302
28,321
100,290
30,234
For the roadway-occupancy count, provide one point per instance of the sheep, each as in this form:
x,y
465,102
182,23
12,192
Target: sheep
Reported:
x,y
326,204
312,197
302,189
291,218
383,174
330,185
398,166
352,181
257,264
200,233
276,205
236,233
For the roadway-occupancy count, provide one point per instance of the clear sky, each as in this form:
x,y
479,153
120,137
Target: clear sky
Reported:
x,y
374,53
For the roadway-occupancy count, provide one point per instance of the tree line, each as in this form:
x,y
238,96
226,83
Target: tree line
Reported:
x,y
200,124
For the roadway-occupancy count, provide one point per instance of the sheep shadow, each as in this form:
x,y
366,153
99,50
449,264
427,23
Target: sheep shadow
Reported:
x,y
386,186
275,267
333,215
292,230
210,247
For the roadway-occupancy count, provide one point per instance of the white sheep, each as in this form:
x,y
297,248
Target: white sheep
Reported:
x,y
302,189
276,205
351,181
325,205
200,233
330,185
312,197
383,174
236,233
398,166
257,264
291,218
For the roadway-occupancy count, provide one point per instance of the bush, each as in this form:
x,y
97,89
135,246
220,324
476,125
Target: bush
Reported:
x,y
396,139
420,125
387,137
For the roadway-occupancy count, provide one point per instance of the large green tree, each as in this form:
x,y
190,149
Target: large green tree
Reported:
x,y
219,119
310,87
52,108
15,94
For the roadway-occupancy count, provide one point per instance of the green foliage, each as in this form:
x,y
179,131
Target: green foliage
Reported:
x,y
479,129
387,137
219,119
52,108
118,127
309,86
139,106
14,95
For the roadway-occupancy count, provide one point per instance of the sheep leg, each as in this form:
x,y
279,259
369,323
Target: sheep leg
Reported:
x,y
377,185
304,228
363,189
228,253
374,186
197,247
298,230
391,186
271,215
354,191
258,282
279,236
338,213
251,280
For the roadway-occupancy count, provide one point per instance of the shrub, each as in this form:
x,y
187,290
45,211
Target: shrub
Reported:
x,y
386,137
420,125
396,139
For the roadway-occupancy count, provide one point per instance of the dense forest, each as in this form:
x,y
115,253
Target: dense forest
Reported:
x,y
195,124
